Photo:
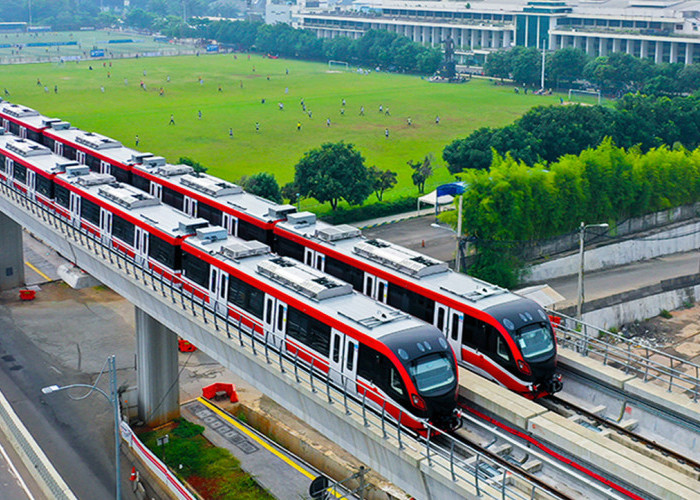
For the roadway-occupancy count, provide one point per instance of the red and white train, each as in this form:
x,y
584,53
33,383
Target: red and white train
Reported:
x,y
394,361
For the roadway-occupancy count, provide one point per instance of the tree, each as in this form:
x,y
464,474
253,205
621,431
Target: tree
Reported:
x,y
566,65
526,64
264,185
290,191
474,151
198,167
381,180
421,171
498,64
333,172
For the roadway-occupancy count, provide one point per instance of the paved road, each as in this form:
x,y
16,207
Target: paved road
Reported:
x,y
15,481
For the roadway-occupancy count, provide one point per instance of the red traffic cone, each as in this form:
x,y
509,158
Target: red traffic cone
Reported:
x,y
133,474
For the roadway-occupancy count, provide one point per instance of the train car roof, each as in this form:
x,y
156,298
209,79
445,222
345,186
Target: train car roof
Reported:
x,y
411,266
214,189
34,154
24,115
132,201
104,146
318,290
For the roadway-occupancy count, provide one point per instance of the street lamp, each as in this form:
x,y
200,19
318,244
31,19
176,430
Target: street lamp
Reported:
x,y
114,401
581,236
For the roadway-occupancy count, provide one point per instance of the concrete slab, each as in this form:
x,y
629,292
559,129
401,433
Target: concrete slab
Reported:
x,y
623,463
76,277
497,400
676,402
593,368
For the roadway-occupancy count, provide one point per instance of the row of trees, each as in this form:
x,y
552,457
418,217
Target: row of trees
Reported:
x,y
545,133
374,48
613,73
513,204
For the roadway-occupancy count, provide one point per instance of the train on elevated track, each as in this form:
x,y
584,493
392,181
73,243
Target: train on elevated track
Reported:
x,y
496,333
398,364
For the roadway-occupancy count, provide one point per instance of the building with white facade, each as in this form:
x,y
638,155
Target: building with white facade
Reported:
x,y
660,30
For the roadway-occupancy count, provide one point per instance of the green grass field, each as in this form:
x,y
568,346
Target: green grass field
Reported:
x,y
124,110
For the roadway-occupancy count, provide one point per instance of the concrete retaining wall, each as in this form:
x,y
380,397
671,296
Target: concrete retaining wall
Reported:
x,y
678,239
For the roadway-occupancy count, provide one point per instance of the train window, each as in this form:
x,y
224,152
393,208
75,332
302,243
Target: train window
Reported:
x,y
164,252
502,349
90,211
432,373
43,186
2,163
248,231
141,183
535,340
350,357
477,334
14,128
309,331
454,331
213,215
20,173
62,196
396,382
343,271
196,269
92,162
34,136
291,249
69,152
268,312
122,229
121,174
336,349
440,319
412,303
246,296
48,142
173,198
280,318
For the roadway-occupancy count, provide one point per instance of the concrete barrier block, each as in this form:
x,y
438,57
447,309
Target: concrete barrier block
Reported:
x,y
655,394
593,368
76,277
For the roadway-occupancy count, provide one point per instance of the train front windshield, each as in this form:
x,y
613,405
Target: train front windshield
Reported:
x,y
535,341
432,373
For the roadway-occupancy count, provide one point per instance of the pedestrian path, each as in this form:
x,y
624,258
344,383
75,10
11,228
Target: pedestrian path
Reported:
x,y
282,474
390,219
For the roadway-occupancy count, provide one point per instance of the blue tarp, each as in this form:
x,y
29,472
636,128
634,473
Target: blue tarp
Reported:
x,y
453,189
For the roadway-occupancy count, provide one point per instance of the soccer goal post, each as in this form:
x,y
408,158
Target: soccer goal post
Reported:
x,y
338,64
580,94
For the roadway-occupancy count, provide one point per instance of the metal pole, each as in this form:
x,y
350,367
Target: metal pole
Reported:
x,y
117,439
579,303
459,233
543,54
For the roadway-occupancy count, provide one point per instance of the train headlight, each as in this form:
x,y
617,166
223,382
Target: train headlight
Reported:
x,y
524,367
418,402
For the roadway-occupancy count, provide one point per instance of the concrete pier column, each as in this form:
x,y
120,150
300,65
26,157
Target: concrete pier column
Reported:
x,y
674,53
11,254
658,53
689,53
156,371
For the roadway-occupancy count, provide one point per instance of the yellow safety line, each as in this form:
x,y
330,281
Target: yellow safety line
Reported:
x,y
261,442
33,268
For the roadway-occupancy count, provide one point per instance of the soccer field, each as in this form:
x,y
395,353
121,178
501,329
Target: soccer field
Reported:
x,y
124,110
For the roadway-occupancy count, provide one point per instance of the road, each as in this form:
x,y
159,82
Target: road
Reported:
x,y
15,481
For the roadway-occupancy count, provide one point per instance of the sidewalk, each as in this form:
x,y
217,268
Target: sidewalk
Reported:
x,y
390,219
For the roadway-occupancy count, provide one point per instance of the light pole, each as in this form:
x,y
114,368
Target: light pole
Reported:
x,y
114,400
581,236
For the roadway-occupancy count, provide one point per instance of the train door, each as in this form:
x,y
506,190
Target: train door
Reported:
x,y
31,183
231,224
6,124
156,190
58,148
377,288
105,225
23,132
80,157
218,286
275,320
350,365
141,246
337,356
441,318
10,168
314,259
455,336
190,206
75,209
105,168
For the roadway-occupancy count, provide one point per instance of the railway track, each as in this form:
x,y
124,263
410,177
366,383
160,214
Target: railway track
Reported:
x,y
627,436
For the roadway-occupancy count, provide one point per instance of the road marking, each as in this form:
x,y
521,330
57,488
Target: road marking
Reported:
x,y
56,370
14,471
33,268
262,443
